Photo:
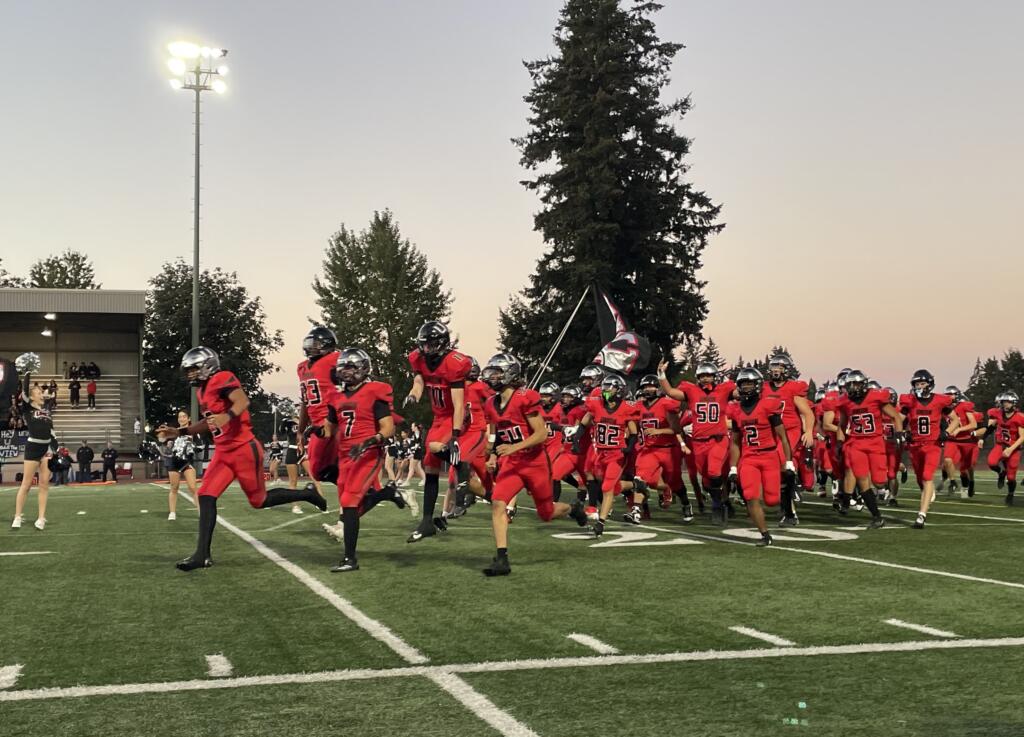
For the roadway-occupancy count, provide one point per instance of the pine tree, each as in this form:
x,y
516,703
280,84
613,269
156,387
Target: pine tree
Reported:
x,y
68,270
377,290
711,354
610,171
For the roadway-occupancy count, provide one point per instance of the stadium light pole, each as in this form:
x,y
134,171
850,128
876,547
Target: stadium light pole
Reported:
x,y
192,67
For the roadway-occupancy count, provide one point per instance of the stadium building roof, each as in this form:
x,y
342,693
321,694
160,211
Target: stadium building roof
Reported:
x,y
94,301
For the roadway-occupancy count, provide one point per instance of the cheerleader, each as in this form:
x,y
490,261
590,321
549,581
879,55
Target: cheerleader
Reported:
x,y
40,445
179,455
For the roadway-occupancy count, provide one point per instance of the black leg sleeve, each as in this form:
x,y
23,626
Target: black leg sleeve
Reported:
x,y
350,522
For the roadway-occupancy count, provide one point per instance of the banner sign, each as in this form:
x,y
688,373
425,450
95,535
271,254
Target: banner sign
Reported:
x,y
12,443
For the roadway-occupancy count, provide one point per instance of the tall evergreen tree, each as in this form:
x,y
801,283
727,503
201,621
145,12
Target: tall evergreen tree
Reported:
x,y
232,322
711,354
68,270
376,292
610,172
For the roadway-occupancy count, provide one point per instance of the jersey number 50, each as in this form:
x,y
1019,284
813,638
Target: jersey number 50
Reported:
x,y
707,412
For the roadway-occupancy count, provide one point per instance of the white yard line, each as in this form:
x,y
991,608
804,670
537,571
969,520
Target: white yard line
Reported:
x,y
766,636
848,558
909,510
593,643
923,629
9,675
217,666
32,552
374,628
480,705
588,661
303,518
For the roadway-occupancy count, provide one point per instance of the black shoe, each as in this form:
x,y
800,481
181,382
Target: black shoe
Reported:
x,y
578,513
892,502
349,564
441,524
457,512
919,522
498,567
687,513
903,476
1009,500
192,562
598,528
718,516
765,541
394,495
313,497
789,521
876,523
730,510
426,528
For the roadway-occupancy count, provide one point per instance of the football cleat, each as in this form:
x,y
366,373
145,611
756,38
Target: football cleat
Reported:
x,y
395,496
598,528
796,495
876,523
821,492
296,509
578,513
192,562
426,528
919,522
632,516
511,513
1008,500
336,531
765,541
687,513
718,516
441,524
954,488
789,521
313,497
892,502
348,564
1001,479
16,524
457,512
903,476
499,567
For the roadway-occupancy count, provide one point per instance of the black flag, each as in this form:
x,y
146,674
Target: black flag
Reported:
x,y
624,351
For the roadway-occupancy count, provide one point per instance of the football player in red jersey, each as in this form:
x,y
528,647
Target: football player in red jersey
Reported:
x,y
361,418
658,463
442,371
926,413
517,454
707,400
893,452
755,429
316,392
224,408
614,437
1008,425
865,411
958,446
590,380
471,479
554,420
797,418
568,465
822,464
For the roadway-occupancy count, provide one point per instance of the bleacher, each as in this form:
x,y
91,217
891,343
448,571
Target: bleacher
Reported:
x,y
113,418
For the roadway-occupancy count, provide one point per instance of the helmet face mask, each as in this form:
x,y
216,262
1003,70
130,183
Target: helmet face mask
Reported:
x,y
780,368
856,383
748,384
199,364
571,396
353,367
649,388
474,370
894,398
591,375
922,383
706,375
433,339
501,372
1008,402
319,341
549,392
612,387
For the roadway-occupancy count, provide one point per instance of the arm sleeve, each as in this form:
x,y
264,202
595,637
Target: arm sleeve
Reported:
x,y
381,409
774,420
332,414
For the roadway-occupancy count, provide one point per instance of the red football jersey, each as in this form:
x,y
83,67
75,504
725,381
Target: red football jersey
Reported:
x,y
356,413
785,394
1007,428
708,407
477,393
511,421
452,369
656,417
965,412
924,419
755,427
213,400
553,416
316,387
866,419
573,418
610,424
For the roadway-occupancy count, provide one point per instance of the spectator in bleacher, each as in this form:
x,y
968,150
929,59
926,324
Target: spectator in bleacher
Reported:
x,y
53,394
47,397
94,370
90,390
109,456
85,455
73,372
66,370
75,393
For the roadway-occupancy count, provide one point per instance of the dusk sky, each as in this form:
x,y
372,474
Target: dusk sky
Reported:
x,y
868,156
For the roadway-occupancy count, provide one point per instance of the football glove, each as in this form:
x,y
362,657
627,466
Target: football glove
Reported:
x,y
453,452
361,448
409,399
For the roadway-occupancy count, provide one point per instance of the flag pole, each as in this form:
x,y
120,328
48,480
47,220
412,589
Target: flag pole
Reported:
x,y
558,341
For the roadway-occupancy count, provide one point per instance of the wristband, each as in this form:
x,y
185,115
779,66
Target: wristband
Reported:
x,y
456,432
663,375
491,439
733,471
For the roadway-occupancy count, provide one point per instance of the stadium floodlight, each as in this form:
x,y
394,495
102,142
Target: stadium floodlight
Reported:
x,y
191,66
222,70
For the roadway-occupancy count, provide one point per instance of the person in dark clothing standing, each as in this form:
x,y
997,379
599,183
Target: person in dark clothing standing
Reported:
x,y
75,393
90,389
109,456
94,370
73,372
85,455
